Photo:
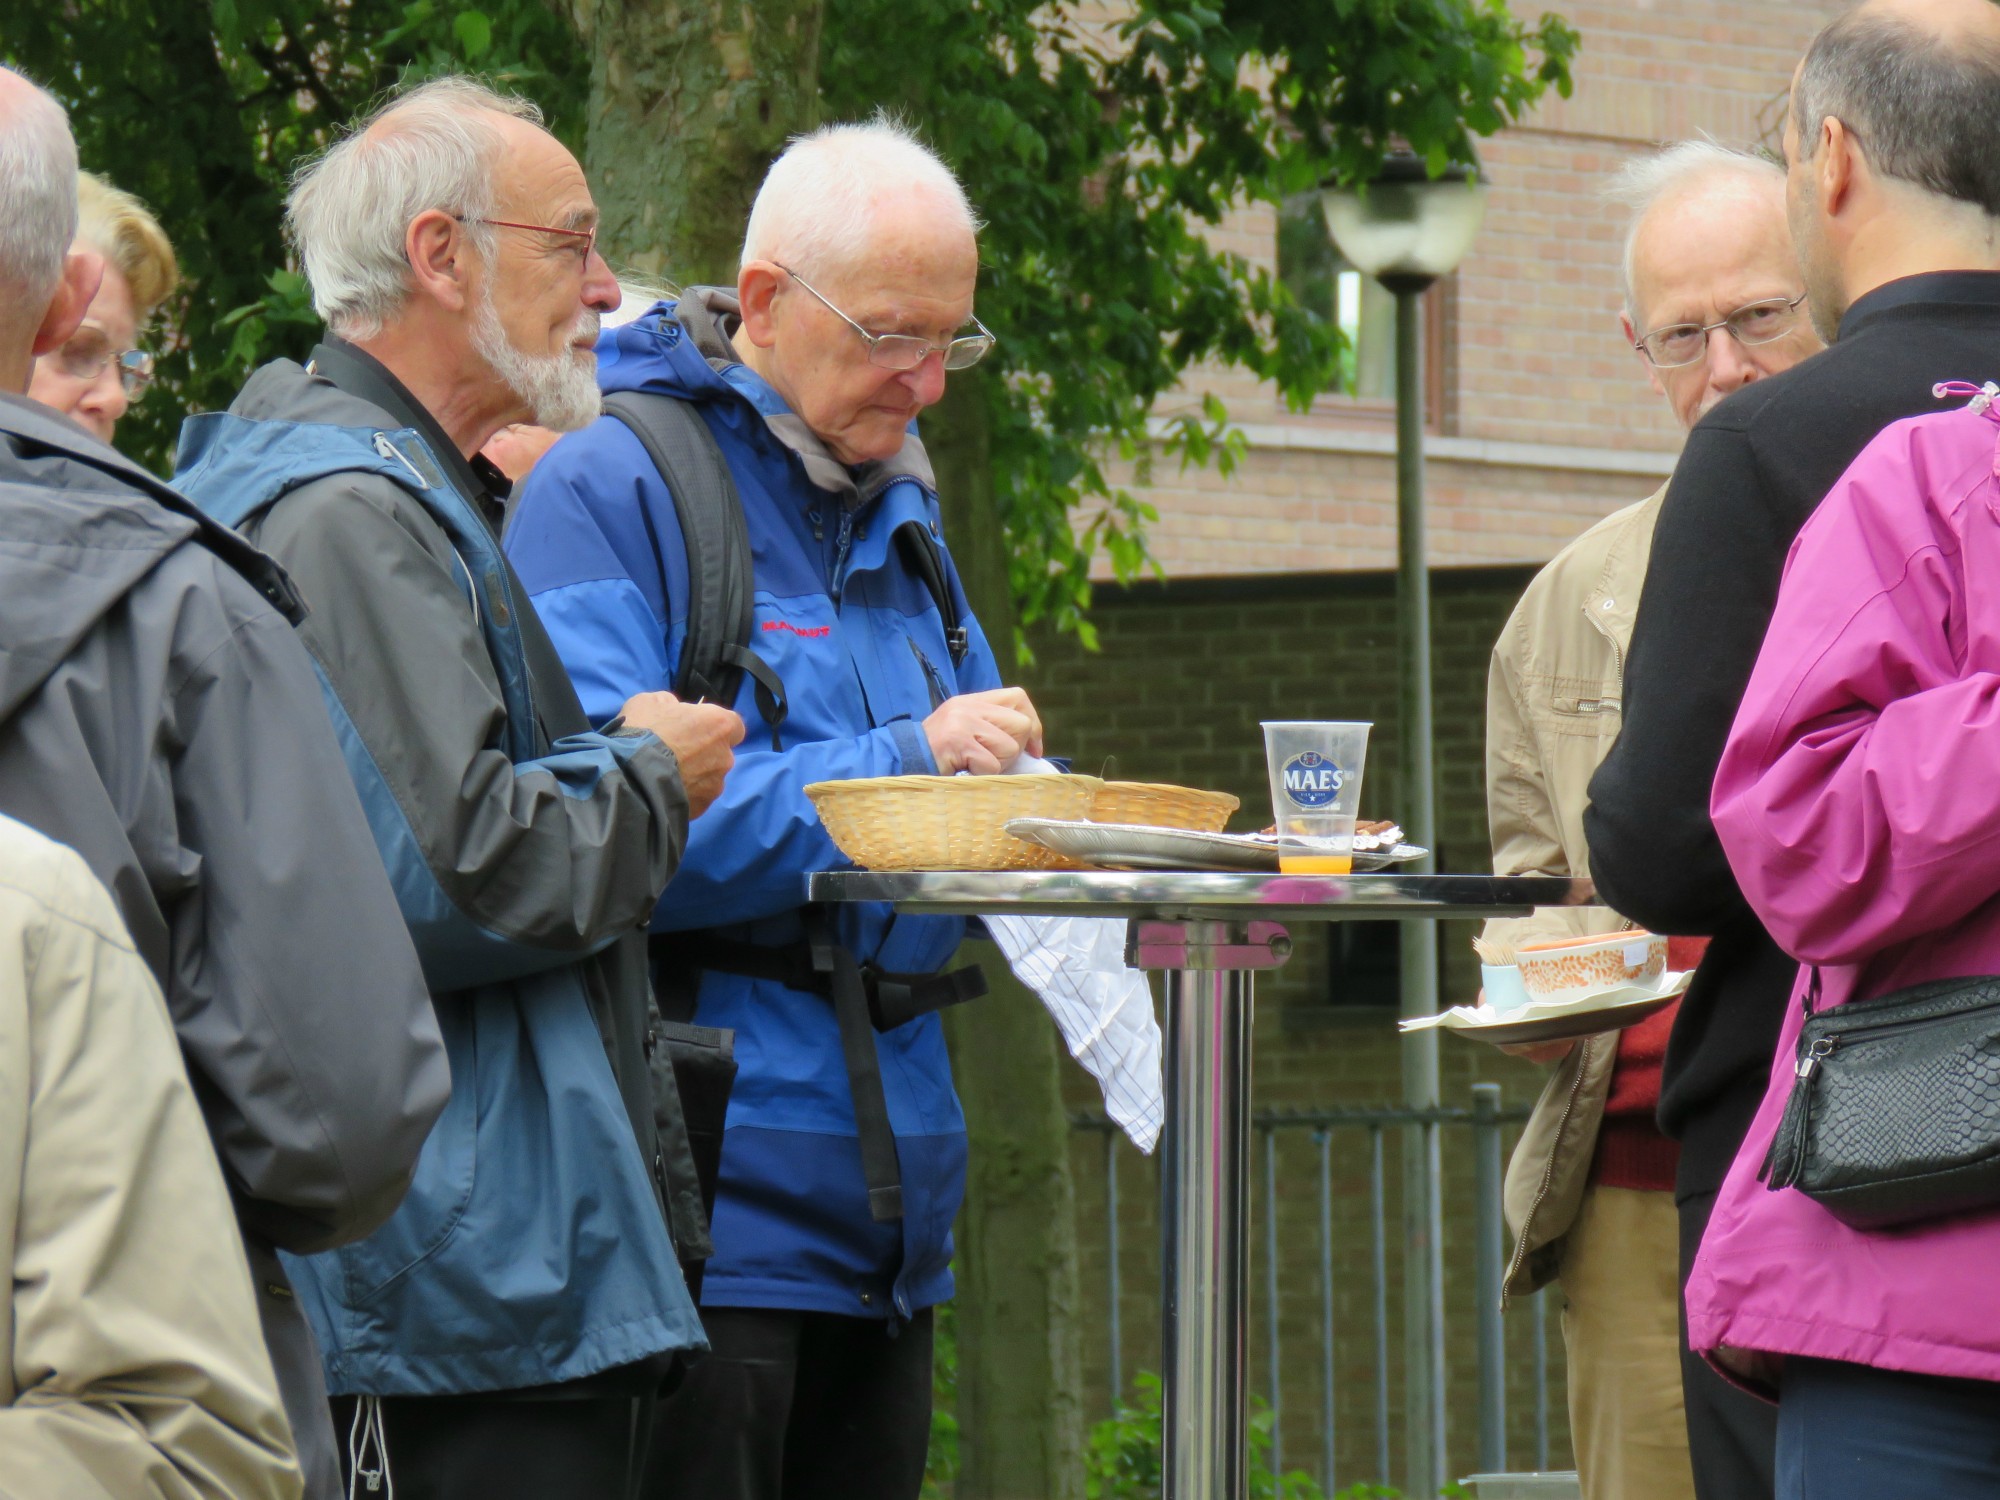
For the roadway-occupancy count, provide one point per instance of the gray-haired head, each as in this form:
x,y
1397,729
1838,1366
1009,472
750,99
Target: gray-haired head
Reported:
x,y
815,210
429,147
37,200
1922,104
1647,181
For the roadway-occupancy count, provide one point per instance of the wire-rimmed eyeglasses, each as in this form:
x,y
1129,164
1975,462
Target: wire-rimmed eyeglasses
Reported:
x,y
1757,323
87,351
905,351
587,236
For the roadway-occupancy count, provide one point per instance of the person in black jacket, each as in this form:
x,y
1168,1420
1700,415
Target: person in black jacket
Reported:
x,y
159,716
1894,197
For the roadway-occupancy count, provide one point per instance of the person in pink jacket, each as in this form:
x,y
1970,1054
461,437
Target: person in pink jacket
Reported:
x,y
1859,801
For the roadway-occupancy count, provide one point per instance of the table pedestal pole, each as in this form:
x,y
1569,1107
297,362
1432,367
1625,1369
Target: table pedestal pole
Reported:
x,y
1204,1208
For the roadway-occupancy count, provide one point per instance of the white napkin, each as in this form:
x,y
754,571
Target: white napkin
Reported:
x,y
1103,1008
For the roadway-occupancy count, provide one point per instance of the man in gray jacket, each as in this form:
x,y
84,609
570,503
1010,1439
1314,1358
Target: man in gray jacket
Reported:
x,y
158,715
507,1331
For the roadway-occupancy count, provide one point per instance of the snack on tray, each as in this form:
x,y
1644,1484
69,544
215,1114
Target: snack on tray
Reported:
x,y
1578,966
1369,837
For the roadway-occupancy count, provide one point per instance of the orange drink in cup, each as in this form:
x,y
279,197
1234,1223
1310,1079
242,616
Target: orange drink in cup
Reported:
x,y
1315,770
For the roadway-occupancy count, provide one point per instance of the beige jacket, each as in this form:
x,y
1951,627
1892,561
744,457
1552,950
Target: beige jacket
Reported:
x,y
131,1362
1553,701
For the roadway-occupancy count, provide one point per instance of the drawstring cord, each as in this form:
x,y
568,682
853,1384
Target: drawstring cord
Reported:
x,y
365,1431
1982,396
1981,399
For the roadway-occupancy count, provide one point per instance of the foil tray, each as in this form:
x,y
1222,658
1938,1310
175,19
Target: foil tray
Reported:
x,y
1125,846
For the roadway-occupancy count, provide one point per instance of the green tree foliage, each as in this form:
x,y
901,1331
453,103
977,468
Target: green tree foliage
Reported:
x,y
203,107
1124,1458
1098,152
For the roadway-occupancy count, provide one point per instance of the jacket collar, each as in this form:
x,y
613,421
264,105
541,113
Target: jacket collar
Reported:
x,y
711,315
362,375
1612,605
1920,297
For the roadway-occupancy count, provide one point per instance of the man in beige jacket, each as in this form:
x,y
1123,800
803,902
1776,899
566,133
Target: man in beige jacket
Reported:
x,y
131,1359
1712,302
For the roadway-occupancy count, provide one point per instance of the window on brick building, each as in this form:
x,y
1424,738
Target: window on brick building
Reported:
x,y
1364,964
1321,281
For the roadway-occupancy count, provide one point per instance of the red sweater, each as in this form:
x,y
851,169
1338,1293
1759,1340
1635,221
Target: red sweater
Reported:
x,y
1631,1151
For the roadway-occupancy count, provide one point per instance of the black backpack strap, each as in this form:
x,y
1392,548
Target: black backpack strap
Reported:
x,y
865,1000
926,559
721,595
879,1165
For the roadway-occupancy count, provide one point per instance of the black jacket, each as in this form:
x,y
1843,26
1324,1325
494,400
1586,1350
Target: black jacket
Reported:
x,y
1753,470
158,715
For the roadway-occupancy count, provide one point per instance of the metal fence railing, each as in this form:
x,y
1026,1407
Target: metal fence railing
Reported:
x,y
1318,1153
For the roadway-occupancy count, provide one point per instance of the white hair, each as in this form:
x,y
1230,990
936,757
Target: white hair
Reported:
x,y
431,147
815,211
1643,182
37,199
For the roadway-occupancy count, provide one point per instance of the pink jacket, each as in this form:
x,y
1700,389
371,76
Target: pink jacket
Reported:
x,y
1859,800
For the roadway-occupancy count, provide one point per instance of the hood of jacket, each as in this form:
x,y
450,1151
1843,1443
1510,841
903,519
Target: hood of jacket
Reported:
x,y
683,349
80,526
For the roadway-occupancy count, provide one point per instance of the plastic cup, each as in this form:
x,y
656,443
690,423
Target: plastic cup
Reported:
x,y
1315,793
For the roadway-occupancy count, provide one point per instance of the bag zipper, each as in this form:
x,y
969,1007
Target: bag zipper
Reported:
x,y
1823,1047
1804,1070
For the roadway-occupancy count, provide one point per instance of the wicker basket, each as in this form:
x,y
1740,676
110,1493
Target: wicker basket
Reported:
x,y
1157,805
948,822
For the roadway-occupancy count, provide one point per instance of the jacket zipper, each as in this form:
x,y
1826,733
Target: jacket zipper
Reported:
x,y
1548,1173
931,675
1617,654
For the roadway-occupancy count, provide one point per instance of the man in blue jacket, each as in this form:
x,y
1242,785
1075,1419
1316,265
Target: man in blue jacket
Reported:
x,y
854,298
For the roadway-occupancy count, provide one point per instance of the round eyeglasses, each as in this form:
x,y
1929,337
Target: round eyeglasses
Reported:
x,y
89,350
1681,344
905,351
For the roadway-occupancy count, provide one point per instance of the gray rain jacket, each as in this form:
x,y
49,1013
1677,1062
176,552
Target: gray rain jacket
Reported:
x,y
158,715
538,1244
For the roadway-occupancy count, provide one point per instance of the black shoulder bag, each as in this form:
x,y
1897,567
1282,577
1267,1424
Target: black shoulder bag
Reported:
x,y
1895,1112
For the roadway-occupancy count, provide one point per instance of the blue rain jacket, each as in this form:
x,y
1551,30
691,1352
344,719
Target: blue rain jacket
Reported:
x,y
859,644
532,1246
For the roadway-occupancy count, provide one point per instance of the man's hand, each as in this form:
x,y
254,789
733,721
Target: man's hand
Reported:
x,y
701,736
983,732
1534,1052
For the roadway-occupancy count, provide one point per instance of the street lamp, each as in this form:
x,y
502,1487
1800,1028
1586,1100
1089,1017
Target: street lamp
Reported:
x,y
1406,230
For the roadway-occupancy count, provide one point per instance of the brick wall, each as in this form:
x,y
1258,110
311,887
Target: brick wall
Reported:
x,y
1536,357
1185,673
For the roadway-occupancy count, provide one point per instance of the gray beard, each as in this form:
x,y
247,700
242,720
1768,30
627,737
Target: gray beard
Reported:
x,y
560,389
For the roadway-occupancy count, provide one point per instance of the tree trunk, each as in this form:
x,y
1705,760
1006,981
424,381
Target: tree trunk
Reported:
x,y
689,102
1020,1409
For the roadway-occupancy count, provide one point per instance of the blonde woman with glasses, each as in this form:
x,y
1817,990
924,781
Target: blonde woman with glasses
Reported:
x,y
100,369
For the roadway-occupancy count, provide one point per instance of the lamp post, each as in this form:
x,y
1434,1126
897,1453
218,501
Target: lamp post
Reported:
x,y
1406,230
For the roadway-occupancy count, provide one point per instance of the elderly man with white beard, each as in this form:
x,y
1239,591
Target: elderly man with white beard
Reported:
x,y
507,1331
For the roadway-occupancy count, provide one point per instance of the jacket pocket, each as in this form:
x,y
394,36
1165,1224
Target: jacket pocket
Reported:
x,y
441,1190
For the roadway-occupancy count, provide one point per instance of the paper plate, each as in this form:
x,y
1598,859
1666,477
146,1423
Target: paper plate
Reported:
x,y
1559,1020
1126,846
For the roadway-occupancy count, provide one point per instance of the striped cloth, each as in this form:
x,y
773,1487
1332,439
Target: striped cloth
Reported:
x,y
1103,1009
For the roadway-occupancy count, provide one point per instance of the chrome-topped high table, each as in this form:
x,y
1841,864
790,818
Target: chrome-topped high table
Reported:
x,y
1210,933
